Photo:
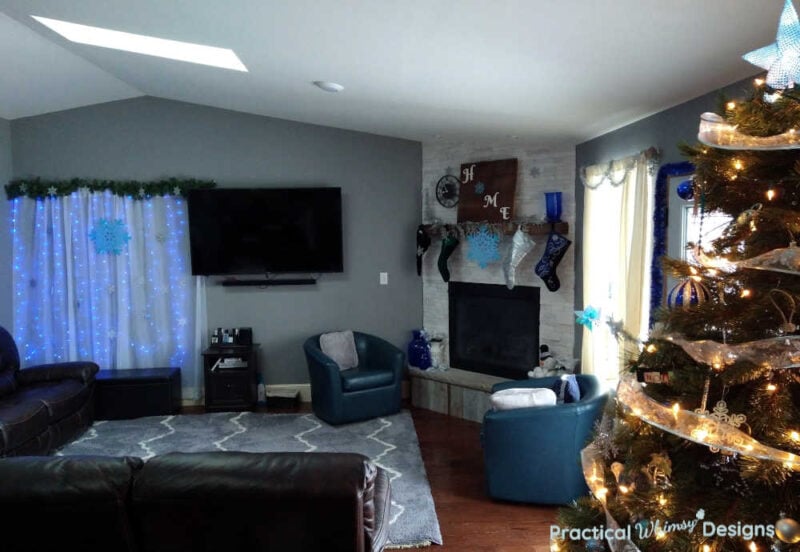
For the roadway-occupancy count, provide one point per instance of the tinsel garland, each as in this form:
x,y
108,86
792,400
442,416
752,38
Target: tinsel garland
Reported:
x,y
37,188
660,230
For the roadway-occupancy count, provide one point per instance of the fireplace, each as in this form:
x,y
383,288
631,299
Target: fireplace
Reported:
x,y
494,330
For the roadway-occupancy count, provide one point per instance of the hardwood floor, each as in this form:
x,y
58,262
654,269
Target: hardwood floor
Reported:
x,y
469,520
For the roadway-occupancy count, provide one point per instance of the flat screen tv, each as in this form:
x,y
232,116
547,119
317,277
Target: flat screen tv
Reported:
x,y
265,230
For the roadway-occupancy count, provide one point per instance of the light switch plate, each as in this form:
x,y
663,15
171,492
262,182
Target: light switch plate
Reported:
x,y
384,278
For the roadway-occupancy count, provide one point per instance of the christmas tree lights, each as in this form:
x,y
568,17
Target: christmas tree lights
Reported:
x,y
700,450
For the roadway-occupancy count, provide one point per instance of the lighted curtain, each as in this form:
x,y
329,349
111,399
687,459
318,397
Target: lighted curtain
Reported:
x,y
617,249
107,278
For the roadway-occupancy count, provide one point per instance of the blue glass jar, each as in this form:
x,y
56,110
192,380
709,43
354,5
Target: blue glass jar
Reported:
x,y
419,350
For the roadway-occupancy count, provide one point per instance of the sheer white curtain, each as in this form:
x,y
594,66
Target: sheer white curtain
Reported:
x,y
107,278
617,249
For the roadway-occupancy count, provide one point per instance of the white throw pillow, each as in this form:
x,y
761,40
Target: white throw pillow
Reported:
x,y
341,347
518,397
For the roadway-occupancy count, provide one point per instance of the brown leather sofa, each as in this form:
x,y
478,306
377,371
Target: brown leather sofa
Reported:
x,y
42,407
202,501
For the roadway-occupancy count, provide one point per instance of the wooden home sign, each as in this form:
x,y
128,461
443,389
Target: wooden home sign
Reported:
x,y
487,191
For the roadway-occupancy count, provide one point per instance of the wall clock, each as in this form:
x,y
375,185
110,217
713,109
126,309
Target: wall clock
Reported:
x,y
447,190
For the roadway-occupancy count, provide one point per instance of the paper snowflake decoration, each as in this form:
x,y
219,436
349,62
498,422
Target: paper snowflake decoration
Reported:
x,y
480,187
176,191
109,236
52,191
483,247
142,192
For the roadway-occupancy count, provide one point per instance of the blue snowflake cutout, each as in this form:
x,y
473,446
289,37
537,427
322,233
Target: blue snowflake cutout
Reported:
x,y
483,247
109,236
480,187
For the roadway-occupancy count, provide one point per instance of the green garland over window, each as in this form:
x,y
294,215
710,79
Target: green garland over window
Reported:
x,y
36,188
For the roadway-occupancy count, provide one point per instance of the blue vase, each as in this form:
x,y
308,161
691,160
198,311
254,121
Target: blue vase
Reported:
x,y
552,203
419,351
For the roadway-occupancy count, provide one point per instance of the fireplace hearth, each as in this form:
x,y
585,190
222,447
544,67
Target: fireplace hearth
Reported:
x,y
494,330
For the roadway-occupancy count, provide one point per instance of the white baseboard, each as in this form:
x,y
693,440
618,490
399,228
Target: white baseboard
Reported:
x,y
303,388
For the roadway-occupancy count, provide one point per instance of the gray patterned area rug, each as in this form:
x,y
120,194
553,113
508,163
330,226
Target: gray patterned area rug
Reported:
x,y
391,442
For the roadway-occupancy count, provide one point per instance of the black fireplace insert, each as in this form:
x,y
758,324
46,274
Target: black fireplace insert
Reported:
x,y
494,330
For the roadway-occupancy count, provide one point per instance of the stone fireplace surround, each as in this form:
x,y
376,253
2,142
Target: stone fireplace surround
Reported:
x,y
464,393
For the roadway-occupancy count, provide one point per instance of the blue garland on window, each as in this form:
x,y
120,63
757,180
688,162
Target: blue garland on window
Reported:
x,y
660,231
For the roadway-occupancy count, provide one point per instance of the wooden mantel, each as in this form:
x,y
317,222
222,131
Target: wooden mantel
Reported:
x,y
535,228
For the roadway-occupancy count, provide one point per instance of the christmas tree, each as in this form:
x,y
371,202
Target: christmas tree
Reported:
x,y
700,450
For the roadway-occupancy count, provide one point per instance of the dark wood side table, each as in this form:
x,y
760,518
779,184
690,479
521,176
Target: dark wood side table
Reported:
x,y
230,377
123,394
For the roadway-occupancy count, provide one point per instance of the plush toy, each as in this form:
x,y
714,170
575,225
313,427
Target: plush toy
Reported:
x,y
548,365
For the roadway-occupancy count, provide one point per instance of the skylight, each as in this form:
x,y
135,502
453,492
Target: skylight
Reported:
x,y
148,45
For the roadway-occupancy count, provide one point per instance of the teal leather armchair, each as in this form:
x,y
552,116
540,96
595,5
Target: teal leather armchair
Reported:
x,y
371,389
533,455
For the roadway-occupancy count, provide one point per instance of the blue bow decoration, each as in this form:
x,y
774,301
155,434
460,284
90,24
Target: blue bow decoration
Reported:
x,y
588,317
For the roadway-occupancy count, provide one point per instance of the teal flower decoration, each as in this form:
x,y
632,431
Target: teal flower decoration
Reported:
x,y
588,317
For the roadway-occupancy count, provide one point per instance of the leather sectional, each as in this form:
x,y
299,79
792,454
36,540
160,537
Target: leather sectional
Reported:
x,y
42,407
201,501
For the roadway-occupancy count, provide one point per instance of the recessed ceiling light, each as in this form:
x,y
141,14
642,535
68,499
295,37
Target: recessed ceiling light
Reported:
x,y
148,45
328,86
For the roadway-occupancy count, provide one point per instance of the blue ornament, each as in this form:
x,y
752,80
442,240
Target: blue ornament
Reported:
x,y
419,350
686,190
483,247
594,545
642,526
480,187
688,293
781,58
109,236
588,317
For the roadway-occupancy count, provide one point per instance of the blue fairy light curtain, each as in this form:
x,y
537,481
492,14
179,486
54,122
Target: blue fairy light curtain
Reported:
x,y
107,277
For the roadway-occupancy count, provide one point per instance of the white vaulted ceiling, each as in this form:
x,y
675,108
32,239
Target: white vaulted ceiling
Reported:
x,y
540,70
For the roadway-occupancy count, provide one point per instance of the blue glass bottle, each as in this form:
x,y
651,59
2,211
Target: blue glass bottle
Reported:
x,y
419,350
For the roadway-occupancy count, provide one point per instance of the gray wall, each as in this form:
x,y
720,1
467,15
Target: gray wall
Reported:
x,y
6,311
149,138
664,130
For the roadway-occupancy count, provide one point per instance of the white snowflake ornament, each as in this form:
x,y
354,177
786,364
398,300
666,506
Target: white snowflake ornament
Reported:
x,y
722,415
51,191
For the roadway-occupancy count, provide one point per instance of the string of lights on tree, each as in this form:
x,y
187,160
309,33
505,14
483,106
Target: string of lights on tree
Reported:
x,y
700,450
